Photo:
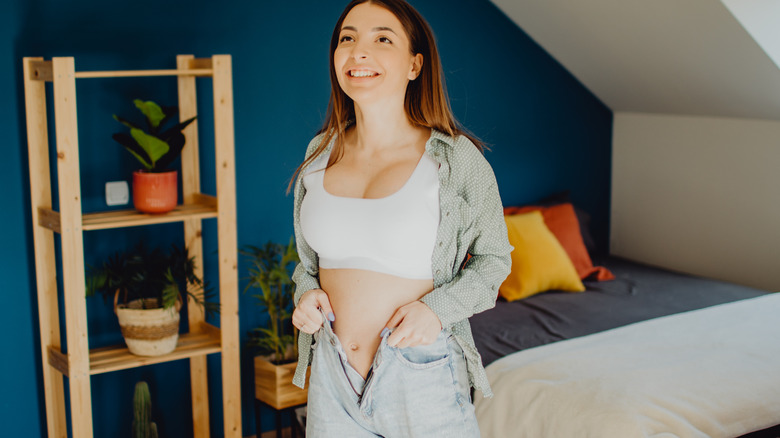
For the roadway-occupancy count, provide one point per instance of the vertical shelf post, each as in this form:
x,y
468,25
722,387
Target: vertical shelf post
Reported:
x,y
228,242
190,177
72,245
43,240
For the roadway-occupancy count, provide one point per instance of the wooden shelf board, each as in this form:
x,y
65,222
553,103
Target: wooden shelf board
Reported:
x,y
203,207
118,357
132,218
143,73
201,67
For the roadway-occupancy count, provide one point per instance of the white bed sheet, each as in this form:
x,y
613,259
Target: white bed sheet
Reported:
x,y
713,372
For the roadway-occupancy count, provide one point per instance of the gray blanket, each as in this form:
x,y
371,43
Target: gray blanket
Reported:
x,y
638,293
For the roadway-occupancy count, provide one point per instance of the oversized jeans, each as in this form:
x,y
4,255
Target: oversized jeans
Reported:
x,y
410,392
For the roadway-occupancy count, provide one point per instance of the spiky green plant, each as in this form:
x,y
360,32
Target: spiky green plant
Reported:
x,y
154,147
153,276
143,426
270,270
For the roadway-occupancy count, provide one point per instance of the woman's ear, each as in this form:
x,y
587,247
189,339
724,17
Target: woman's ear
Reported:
x,y
417,63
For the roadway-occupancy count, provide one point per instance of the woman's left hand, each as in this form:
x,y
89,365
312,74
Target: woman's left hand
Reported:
x,y
415,324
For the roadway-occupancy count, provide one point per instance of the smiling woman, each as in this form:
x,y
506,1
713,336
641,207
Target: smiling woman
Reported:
x,y
390,200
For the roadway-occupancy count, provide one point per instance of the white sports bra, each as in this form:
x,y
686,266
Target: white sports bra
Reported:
x,y
393,235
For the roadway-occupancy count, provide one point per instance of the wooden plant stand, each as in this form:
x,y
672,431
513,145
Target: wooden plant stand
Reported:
x,y
274,388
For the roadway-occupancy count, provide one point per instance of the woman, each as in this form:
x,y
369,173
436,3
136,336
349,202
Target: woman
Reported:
x,y
401,235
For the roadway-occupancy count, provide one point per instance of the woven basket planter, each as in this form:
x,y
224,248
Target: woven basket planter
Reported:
x,y
148,332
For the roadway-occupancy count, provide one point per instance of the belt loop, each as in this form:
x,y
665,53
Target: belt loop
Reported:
x,y
377,357
325,319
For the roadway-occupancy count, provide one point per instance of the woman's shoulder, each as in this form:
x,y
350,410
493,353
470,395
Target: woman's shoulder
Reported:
x,y
461,152
326,133
314,143
471,175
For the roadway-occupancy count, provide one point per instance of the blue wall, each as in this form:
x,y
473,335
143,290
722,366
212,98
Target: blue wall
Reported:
x,y
546,131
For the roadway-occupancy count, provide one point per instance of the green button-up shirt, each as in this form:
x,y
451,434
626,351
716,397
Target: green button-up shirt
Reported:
x,y
472,222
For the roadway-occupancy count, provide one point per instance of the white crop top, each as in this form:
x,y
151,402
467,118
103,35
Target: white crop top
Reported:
x,y
393,235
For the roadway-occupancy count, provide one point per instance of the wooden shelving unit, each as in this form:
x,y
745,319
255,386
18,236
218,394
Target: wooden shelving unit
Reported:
x,y
80,363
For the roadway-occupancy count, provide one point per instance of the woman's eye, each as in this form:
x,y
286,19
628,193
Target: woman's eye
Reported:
x,y
345,39
385,40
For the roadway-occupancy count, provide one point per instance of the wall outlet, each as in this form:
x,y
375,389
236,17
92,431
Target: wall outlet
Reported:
x,y
117,193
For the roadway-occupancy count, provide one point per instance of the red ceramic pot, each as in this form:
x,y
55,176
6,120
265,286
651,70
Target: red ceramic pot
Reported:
x,y
154,192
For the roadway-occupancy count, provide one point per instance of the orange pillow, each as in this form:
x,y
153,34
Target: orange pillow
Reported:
x,y
562,221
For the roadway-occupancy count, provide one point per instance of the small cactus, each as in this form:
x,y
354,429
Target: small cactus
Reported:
x,y
143,427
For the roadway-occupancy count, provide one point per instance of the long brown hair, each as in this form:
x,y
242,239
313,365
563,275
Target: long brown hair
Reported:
x,y
426,102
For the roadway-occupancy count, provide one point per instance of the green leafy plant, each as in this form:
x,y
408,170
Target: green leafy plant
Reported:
x,y
143,426
153,276
269,272
154,147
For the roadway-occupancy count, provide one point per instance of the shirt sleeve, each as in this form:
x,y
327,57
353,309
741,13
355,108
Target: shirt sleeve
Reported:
x,y
474,288
306,274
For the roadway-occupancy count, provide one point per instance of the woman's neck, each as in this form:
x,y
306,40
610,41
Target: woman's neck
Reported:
x,y
380,127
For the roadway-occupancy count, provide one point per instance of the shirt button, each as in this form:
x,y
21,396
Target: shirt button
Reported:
x,y
436,153
441,243
438,271
447,213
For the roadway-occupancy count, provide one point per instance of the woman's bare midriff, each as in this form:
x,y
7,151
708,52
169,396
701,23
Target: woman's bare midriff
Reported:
x,y
363,302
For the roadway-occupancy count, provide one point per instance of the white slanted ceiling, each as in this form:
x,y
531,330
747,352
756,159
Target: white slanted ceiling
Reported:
x,y
761,18
689,57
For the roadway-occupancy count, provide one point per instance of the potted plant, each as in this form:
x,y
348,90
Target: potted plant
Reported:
x,y
147,286
274,344
154,186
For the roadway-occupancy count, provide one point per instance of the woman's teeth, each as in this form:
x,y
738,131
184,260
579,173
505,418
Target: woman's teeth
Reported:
x,y
361,74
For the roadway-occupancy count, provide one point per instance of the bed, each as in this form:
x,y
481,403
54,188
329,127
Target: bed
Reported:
x,y
650,353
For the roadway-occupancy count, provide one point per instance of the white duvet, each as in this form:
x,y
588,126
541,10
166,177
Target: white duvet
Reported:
x,y
713,372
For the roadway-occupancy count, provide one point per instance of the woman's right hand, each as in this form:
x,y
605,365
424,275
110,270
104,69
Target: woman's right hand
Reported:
x,y
307,316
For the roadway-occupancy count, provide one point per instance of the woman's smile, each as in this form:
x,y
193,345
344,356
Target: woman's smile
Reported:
x,y
361,73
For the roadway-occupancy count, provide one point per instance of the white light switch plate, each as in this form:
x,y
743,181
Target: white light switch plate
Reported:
x,y
117,193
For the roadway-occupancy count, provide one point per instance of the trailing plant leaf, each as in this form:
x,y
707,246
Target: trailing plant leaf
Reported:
x,y
170,112
170,292
154,114
175,146
175,131
175,139
96,282
134,148
154,147
125,122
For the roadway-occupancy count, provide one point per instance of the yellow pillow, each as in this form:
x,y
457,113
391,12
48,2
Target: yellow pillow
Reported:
x,y
539,262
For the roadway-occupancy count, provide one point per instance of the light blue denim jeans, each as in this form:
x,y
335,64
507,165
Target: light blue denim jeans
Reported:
x,y
410,392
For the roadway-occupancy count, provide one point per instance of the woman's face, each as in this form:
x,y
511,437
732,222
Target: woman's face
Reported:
x,y
373,61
